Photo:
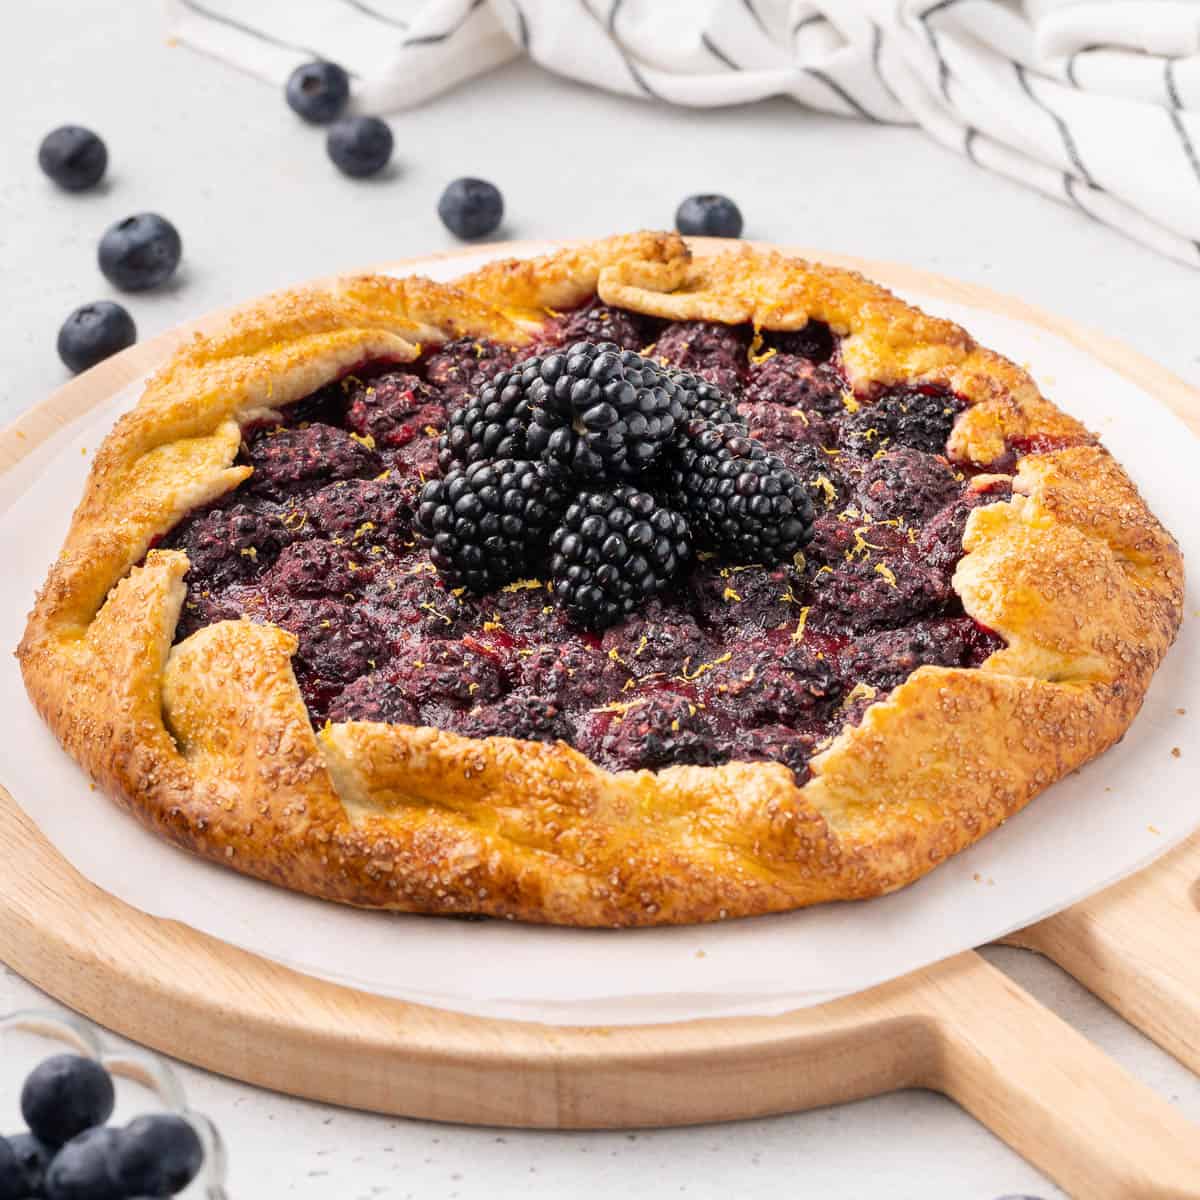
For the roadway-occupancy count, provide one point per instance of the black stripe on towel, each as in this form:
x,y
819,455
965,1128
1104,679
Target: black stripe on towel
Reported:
x,y
1170,84
1185,139
717,52
522,25
1071,62
1064,131
846,98
241,27
805,22
634,73
749,7
433,39
877,62
368,11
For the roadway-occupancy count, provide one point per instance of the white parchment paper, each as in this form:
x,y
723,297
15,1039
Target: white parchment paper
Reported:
x,y
1108,820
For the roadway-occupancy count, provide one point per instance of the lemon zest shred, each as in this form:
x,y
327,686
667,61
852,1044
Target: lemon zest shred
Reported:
x,y
706,666
798,633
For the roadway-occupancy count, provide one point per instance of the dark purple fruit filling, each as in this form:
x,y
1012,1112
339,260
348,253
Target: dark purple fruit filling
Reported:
x,y
702,652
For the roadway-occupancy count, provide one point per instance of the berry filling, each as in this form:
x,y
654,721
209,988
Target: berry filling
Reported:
x,y
742,598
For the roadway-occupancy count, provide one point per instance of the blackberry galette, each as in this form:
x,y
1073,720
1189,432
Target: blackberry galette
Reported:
x,y
636,584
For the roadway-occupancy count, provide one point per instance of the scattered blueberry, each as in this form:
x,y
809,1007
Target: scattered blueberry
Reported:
x,y
709,216
140,252
318,91
83,1168
74,157
12,1178
157,1155
93,332
23,1163
471,208
360,146
64,1096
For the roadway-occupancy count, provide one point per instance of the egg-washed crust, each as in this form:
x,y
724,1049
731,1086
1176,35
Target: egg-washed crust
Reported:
x,y
208,742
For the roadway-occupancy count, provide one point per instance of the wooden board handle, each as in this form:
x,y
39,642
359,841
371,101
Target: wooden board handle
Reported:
x,y
1051,1094
1137,946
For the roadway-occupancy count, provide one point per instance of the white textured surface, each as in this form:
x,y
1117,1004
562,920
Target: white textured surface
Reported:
x,y
259,206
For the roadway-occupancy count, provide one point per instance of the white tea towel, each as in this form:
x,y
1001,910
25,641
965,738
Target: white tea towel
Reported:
x,y
1095,102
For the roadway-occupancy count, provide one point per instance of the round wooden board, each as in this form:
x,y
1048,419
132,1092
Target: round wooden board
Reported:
x,y
960,1027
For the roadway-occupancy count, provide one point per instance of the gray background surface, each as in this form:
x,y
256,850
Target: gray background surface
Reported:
x,y
259,206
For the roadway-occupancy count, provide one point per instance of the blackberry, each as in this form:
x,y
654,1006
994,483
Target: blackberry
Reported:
x,y
465,364
814,341
378,697
777,743
715,351
704,399
907,483
360,512
746,599
887,658
741,501
391,408
530,718
666,729
319,569
657,640
288,460
612,551
785,688
486,523
230,543
567,674
493,425
597,322
921,419
599,411
792,380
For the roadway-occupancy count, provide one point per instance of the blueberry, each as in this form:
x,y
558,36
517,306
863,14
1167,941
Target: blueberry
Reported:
x,y
158,1155
471,208
318,91
73,157
23,1163
709,216
12,1178
82,1169
93,332
64,1096
140,252
359,146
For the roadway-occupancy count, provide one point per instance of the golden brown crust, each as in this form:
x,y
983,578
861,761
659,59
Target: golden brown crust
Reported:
x,y
210,744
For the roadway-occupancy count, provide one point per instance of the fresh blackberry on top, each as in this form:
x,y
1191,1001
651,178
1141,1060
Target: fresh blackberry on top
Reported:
x,y
597,411
741,501
487,523
704,399
492,424
613,550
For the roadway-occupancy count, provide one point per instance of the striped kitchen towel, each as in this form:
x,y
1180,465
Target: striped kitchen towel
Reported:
x,y
1094,102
